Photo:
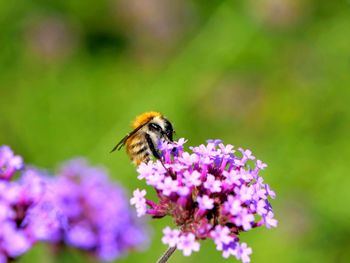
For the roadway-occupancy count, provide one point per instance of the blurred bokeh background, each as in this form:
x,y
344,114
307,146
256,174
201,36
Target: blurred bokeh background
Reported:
x,y
269,75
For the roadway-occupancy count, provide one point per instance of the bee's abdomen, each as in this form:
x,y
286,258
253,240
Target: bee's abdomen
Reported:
x,y
138,150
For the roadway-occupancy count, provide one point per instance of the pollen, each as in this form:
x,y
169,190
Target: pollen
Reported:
x,y
144,118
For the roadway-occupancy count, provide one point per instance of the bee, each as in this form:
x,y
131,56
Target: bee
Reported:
x,y
142,143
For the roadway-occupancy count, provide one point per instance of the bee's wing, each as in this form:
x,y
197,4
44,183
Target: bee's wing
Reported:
x,y
123,141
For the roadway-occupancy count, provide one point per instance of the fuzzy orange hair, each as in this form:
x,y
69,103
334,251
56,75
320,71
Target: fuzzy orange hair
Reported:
x,y
144,118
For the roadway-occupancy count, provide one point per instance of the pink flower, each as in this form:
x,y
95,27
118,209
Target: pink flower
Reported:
x,y
212,185
192,179
221,236
205,202
243,252
270,221
138,197
183,190
232,177
180,142
233,205
245,193
144,170
247,154
171,237
139,201
226,149
168,186
154,179
269,192
260,165
261,207
187,243
188,159
244,219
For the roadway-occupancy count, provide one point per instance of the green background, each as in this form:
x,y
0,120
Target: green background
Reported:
x,y
269,75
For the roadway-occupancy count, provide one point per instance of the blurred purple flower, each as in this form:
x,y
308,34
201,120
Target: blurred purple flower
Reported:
x,y
210,193
9,163
98,216
80,208
21,208
14,241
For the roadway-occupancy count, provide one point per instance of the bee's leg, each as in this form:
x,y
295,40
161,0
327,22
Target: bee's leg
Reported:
x,y
156,153
152,147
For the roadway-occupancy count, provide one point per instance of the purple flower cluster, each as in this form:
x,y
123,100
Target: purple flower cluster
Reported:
x,y
210,193
99,219
80,208
20,203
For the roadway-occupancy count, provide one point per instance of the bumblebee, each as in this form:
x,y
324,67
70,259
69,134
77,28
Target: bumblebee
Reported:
x,y
142,143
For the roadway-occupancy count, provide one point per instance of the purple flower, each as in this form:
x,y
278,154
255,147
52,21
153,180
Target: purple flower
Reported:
x,y
14,241
144,170
139,198
188,159
221,236
243,252
210,193
80,207
180,143
269,192
247,154
98,217
139,201
21,207
192,179
9,163
45,222
245,219
187,243
212,185
233,205
245,193
270,221
233,177
171,237
260,165
183,190
205,202
226,149
82,236
168,186
261,207
155,179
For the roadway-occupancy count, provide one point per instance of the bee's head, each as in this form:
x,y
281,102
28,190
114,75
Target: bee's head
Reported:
x,y
161,128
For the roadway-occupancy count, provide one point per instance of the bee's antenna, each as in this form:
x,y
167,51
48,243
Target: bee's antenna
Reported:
x,y
120,144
